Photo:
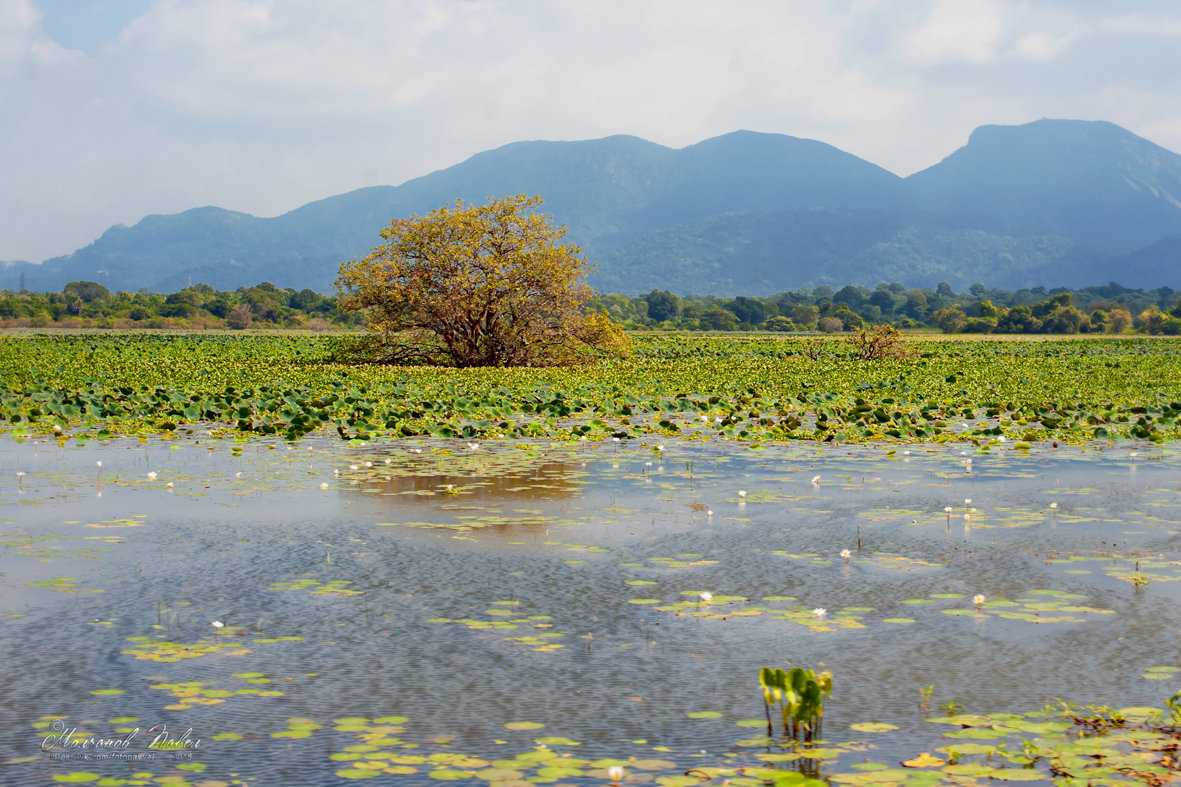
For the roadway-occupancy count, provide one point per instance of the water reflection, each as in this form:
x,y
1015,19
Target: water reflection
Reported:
x,y
489,484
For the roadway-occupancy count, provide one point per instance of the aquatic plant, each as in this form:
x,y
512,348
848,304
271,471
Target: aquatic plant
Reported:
x,y
951,708
799,695
1173,705
134,383
925,697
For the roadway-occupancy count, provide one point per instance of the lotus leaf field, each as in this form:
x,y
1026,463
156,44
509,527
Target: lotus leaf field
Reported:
x,y
226,560
747,388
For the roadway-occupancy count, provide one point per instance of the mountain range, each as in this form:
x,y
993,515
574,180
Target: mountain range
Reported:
x,y
1051,203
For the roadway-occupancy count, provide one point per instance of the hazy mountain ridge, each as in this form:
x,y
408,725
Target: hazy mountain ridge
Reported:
x,y
1055,202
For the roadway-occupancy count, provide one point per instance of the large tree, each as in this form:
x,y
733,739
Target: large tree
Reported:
x,y
477,285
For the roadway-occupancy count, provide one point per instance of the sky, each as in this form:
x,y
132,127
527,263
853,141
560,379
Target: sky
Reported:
x,y
111,110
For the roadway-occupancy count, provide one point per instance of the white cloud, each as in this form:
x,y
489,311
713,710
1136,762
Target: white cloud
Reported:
x,y
1160,23
262,105
957,32
17,18
24,50
1040,46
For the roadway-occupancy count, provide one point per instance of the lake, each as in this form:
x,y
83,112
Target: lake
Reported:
x,y
506,612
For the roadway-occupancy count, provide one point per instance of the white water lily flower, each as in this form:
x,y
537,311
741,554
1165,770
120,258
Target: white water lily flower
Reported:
x,y
324,486
978,599
947,509
615,772
845,554
820,612
217,624
815,480
1053,505
707,597
98,463
152,474
742,493
968,501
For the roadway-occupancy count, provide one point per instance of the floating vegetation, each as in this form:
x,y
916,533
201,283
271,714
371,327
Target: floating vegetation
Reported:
x,y
1144,571
1038,606
680,561
1073,745
131,521
50,546
760,388
785,608
335,587
381,748
504,619
194,693
658,579
167,652
877,559
64,585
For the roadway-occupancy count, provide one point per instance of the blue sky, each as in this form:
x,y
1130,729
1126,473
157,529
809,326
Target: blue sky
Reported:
x,y
115,109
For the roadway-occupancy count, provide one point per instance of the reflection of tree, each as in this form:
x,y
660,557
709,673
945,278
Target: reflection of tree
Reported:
x,y
492,481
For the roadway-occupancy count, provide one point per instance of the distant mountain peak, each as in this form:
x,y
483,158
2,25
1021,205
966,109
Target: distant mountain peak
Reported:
x,y
747,212
1086,179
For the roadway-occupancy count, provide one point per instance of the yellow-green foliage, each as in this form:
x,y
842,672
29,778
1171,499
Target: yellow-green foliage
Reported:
x,y
756,388
476,285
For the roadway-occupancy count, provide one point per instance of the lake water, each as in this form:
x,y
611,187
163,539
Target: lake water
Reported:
x,y
445,600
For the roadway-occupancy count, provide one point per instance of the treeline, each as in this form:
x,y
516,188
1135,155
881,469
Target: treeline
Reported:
x,y
1107,309
85,304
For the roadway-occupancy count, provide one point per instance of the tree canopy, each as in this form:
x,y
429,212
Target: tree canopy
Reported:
x,y
477,285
